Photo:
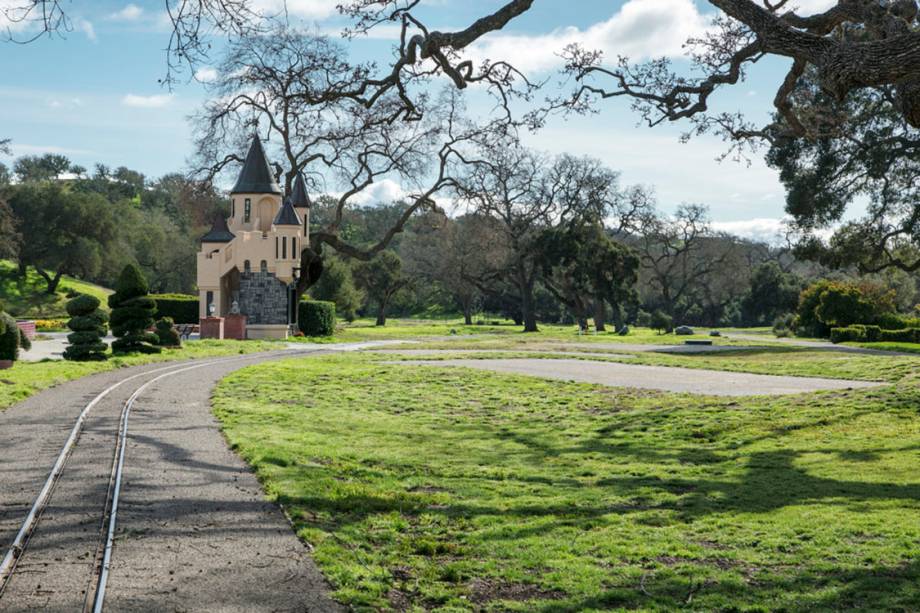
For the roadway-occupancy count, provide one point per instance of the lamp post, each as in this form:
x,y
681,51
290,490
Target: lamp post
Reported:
x,y
292,297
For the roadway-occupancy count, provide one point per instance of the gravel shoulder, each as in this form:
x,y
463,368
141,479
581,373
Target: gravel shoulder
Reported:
x,y
663,378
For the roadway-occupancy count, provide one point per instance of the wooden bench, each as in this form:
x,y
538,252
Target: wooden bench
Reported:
x,y
186,330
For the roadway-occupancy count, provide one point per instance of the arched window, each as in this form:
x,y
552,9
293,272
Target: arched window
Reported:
x,y
263,266
246,266
247,210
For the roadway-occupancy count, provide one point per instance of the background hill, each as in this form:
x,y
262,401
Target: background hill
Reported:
x,y
25,297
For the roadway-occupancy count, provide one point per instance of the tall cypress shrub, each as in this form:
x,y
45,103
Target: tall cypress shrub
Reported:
x,y
88,323
132,313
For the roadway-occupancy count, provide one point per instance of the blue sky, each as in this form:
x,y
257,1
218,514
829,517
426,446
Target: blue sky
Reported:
x,y
94,95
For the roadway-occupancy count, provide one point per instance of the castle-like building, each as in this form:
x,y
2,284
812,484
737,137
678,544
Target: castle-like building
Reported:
x,y
249,262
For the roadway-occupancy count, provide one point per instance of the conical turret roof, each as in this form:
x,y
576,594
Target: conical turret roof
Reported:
x,y
299,197
256,176
287,215
219,232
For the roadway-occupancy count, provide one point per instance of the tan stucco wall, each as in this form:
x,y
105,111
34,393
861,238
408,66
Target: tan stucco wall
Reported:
x,y
253,244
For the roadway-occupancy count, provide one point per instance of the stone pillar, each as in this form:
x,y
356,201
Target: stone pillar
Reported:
x,y
235,327
212,327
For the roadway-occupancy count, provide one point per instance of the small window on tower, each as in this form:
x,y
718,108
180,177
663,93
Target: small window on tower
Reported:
x,y
294,248
283,247
247,210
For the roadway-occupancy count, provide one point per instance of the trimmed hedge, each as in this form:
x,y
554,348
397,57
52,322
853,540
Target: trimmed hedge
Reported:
x,y
907,335
316,318
182,308
874,334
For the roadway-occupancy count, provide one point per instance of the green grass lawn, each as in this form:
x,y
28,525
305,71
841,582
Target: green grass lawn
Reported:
x,y
766,361
27,298
27,378
502,333
426,488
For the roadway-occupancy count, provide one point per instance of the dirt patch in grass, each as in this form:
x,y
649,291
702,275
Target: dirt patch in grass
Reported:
x,y
487,590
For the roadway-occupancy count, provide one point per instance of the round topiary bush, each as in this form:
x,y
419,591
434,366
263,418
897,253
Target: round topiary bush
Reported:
x,y
9,338
316,318
166,334
132,314
88,323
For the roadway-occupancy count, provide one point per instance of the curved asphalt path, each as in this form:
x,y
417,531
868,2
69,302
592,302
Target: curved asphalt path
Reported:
x,y
195,532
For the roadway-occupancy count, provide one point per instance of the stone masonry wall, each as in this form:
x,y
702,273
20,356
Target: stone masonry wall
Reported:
x,y
263,298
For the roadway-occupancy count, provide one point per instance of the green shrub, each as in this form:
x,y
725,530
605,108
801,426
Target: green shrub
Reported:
x,y
872,333
316,318
82,304
897,321
132,314
848,334
181,308
661,321
784,325
904,335
841,305
88,323
9,338
644,319
166,333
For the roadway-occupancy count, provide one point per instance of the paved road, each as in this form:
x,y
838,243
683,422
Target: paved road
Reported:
x,y
195,532
664,378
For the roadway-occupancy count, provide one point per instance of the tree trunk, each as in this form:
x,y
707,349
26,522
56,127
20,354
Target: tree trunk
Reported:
x,y
527,308
382,313
52,282
23,269
600,314
468,315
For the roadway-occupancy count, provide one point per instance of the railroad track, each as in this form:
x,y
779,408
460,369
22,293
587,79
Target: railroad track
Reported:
x,y
97,581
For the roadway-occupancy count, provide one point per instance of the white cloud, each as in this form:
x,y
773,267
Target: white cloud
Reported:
x,y
810,7
147,102
131,12
86,27
206,74
764,229
306,9
57,103
640,29
384,192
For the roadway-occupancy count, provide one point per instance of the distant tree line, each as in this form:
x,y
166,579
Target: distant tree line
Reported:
x,y
58,218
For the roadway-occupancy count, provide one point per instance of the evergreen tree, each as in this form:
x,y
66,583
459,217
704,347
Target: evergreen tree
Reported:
x,y
132,313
